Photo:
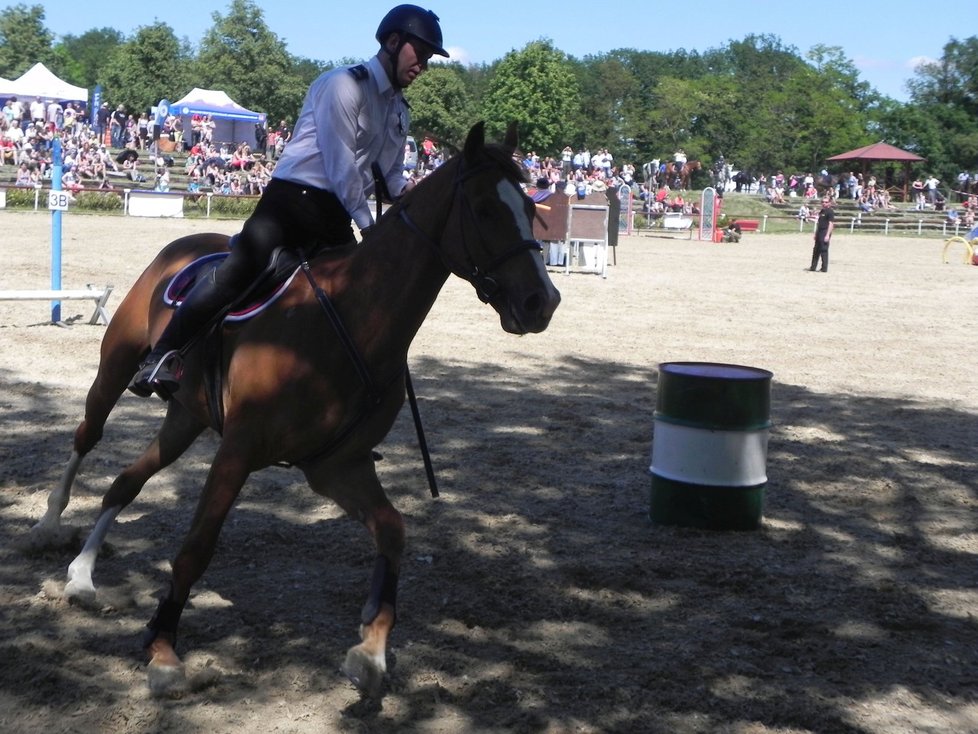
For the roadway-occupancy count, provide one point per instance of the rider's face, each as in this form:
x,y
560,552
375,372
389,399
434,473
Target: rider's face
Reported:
x,y
412,61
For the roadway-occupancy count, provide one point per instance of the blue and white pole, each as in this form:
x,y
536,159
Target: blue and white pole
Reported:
x,y
56,201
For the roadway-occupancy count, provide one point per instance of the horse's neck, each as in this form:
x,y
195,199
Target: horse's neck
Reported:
x,y
394,280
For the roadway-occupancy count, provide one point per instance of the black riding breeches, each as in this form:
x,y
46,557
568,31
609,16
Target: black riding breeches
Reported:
x,y
290,215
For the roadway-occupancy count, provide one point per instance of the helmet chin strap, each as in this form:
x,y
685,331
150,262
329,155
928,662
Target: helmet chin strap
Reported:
x,y
394,57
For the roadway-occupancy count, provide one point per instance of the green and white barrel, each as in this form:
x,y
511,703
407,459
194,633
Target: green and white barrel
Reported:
x,y
709,445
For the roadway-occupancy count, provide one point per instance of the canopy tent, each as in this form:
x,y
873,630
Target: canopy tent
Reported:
x,y
234,123
880,152
39,81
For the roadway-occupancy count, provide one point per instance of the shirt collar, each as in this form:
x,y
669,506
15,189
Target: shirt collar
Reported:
x,y
379,74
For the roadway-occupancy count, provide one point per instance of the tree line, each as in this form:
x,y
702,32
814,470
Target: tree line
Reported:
x,y
759,104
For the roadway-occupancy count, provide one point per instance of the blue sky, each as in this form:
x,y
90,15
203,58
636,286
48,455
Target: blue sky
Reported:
x,y
884,40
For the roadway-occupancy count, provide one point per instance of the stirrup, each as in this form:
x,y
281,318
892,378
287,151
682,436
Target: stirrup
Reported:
x,y
158,377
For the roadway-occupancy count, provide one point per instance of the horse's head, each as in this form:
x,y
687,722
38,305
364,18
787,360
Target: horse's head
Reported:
x,y
489,237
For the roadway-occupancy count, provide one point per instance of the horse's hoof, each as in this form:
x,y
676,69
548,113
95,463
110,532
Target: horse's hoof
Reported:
x,y
43,537
365,671
166,680
81,591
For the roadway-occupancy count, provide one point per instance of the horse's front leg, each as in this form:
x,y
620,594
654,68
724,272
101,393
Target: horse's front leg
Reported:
x,y
358,491
165,672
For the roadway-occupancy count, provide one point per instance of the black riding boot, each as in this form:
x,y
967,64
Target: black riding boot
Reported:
x,y
161,370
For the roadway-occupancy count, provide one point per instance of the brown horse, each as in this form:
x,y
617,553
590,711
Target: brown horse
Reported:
x,y
684,172
312,391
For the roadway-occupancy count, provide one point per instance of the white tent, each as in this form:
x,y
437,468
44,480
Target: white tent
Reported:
x,y
234,123
38,81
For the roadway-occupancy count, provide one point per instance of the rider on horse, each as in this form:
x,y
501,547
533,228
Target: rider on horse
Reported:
x,y
351,117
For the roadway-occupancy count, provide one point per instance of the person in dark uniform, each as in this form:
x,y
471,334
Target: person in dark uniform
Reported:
x,y
351,117
823,234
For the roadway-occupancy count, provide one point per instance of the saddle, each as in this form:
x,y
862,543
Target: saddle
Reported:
x,y
283,266
267,288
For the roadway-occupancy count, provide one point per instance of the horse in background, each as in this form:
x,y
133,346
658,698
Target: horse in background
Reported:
x,y
650,173
722,174
684,172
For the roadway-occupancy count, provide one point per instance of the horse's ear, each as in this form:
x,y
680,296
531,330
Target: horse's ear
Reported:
x,y
512,140
476,141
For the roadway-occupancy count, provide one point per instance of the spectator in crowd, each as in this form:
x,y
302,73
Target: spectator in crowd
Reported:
x,y
351,116
207,126
70,119
23,175
102,118
131,134
162,178
117,128
71,182
919,194
931,185
567,160
37,110
19,115
53,113
142,131
8,151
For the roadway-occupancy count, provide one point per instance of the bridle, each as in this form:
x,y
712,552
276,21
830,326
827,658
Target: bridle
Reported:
x,y
479,274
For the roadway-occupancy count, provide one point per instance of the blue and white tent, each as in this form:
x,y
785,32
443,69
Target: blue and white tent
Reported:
x,y
234,123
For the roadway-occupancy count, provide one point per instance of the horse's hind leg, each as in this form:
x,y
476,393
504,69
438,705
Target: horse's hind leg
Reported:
x,y
358,491
125,340
179,430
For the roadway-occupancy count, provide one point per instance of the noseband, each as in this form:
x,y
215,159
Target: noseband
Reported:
x,y
480,275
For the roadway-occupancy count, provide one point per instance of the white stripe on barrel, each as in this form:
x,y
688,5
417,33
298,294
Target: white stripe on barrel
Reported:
x,y
725,458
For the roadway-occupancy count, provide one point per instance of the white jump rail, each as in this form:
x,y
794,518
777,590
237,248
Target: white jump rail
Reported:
x,y
99,295
678,222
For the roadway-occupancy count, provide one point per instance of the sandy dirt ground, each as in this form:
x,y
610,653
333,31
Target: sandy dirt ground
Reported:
x,y
536,596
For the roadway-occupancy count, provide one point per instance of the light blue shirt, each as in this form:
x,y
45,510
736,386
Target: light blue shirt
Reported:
x,y
347,123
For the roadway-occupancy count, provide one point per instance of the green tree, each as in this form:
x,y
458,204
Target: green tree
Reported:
x,y
537,89
81,59
608,95
151,66
944,102
241,56
441,106
24,40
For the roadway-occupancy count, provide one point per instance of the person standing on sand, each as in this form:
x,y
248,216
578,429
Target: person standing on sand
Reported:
x,y
823,234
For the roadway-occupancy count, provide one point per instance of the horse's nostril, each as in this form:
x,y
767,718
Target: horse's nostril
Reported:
x,y
532,304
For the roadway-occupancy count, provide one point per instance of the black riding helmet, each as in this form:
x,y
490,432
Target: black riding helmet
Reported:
x,y
410,20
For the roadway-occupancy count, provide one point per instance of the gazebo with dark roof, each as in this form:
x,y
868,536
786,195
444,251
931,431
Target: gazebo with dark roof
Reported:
x,y
880,152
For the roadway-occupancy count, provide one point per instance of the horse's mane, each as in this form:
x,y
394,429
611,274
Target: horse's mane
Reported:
x,y
498,154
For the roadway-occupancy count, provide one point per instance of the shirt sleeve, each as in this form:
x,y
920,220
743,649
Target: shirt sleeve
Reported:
x,y
337,106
